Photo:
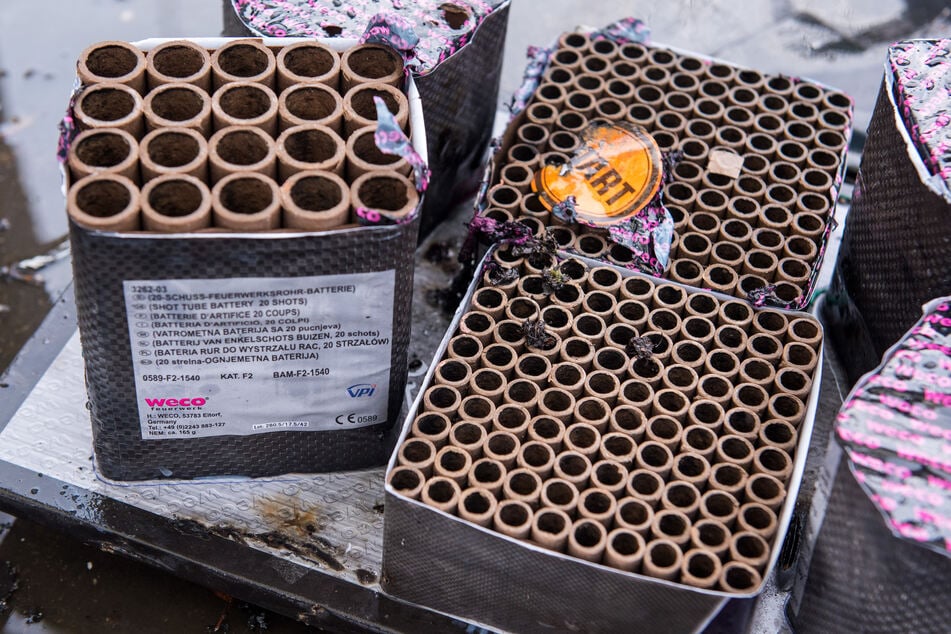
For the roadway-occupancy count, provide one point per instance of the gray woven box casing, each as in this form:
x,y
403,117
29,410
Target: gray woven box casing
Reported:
x,y
101,261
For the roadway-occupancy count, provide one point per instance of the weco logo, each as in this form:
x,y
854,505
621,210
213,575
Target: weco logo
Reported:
x,y
361,389
175,402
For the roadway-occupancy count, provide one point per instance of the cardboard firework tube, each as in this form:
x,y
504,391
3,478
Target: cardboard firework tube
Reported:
x,y
728,477
454,373
705,223
664,429
671,524
487,474
510,332
749,548
730,337
363,155
246,104
664,320
417,453
765,489
359,109
773,461
654,456
470,437
570,296
432,426
574,467
713,202
178,105
691,467
309,147
501,357
714,388
550,529
757,518
685,271
700,440
310,103
241,148
568,376
687,353
179,61
767,239
603,385
370,63
799,355
793,270
523,485
681,496
560,494
104,202
598,303
587,540
513,518
720,506
592,411
104,151
609,476
244,60
760,263
536,456
681,378
745,209
646,485
597,505
699,329
700,568
738,577
468,349
634,514
408,481
502,446
793,381
307,62
627,419
477,505
533,367
619,334
114,62
624,550
648,370
175,203
441,493
765,347
778,434
557,320
442,399
315,201
758,371
670,403
453,463
512,418
663,559
583,439
520,309
618,447
736,450
710,535
669,296
742,422
477,409
478,325
385,191
548,430
786,407
611,360
110,105
173,151
693,246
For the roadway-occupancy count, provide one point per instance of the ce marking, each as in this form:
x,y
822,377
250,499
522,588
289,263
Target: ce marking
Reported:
x,y
349,418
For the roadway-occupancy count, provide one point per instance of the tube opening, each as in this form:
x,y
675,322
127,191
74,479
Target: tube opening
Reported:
x,y
108,104
178,61
441,491
243,60
111,61
175,198
103,149
317,193
246,195
102,198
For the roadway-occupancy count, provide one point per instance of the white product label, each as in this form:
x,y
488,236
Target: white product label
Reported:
x,y
253,355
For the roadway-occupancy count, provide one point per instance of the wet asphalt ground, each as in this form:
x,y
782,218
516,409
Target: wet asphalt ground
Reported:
x,y
50,582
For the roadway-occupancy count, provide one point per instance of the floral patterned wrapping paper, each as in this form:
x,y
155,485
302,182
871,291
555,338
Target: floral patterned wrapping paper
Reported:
x,y
922,87
427,32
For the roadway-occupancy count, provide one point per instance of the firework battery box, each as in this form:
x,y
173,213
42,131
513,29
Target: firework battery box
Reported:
x,y
230,353
446,46
494,571
894,253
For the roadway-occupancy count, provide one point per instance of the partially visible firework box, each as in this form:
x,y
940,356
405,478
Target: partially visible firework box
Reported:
x,y
593,447
671,163
246,312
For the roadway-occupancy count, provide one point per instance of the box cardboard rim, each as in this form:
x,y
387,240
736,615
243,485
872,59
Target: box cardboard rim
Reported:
x,y
792,490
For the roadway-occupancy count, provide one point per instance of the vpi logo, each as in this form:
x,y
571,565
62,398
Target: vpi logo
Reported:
x,y
361,389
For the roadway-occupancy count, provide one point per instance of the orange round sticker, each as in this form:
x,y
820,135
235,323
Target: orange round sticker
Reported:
x,y
613,174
